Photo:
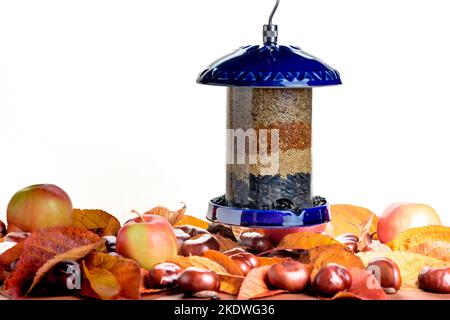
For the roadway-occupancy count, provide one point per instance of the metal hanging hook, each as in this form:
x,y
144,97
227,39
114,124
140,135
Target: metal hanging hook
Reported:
x,y
270,31
273,12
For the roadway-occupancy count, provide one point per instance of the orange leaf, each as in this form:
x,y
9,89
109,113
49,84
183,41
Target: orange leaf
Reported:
x,y
41,246
12,254
71,255
225,261
254,285
172,216
230,283
205,263
263,261
98,221
193,221
102,282
126,272
226,243
436,249
364,287
181,261
416,236
346,219
306,240
321,256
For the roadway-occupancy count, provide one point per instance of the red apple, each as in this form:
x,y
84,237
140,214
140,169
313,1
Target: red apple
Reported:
x,y
399,217
148,242
39,206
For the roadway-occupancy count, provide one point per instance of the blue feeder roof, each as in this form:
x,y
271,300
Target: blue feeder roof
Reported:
x,y
270,65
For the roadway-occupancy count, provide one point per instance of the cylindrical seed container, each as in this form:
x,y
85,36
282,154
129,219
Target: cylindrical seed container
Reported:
x,y
269,130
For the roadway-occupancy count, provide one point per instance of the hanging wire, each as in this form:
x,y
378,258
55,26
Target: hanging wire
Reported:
x,y
273,12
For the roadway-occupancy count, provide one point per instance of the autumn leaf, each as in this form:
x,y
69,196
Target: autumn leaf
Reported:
x,y
42,246
205,263
264,261
410,264
306,240
225,243
126,273
321,256
365,236
254,285
193,221
436,249
172,216
347,218
181,261
225,261
98,221
230,283
364,287
416,236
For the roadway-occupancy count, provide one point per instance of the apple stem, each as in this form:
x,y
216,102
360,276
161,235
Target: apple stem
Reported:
x,y
139,215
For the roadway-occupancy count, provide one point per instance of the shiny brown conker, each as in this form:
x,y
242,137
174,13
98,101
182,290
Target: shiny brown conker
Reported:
x,y
256,242
387,273
192,230
196,247
350,240
110,243
436,280
163,275
193,280
245,261
332,279
181,237
289,275
2,229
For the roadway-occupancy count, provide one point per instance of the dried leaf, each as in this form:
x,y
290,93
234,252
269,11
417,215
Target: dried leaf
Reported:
x,y
126,272
306,240
11,255
225,261
365,236
437,249
263,261
364,287
205,263
181,261
71,255
193,221
99,221
347,218
321,256
102,282
410,264
416,236
225,243
174,217
230,283
41,246
254,285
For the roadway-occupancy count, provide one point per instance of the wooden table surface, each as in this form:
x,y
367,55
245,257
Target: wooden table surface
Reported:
x,y
401,295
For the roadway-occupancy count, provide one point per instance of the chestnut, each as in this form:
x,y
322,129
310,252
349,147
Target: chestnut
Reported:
x,y
2,229
289,275
163,275
196,247
436,280
332,279
192,230
222,230
256,242
350,240
387,273
63,279
193,280
181,237
234,251
110,243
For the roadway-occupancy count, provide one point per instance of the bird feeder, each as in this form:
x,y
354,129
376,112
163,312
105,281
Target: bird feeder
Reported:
x,y
269,125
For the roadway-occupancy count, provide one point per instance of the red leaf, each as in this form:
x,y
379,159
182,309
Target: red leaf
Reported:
x,y
364,287
40,247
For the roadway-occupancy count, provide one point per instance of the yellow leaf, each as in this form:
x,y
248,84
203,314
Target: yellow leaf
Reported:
x,y
416,236
172,216
230,283
102,282
346,219
206,263
96,220
193,221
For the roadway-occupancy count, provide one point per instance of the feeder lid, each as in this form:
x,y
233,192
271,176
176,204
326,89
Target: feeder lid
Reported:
x,y
270,65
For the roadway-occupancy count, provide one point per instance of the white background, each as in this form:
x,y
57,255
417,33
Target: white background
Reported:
x,y
99,97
